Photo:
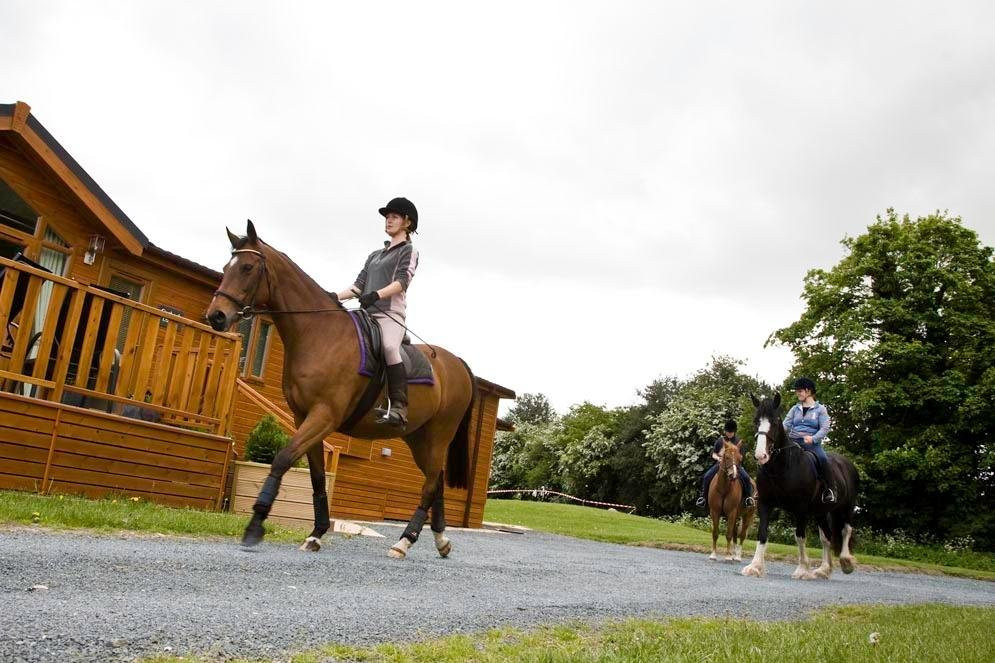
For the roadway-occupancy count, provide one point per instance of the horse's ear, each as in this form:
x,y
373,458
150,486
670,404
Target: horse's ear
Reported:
x,y
756,403
250,231
777,400
232,237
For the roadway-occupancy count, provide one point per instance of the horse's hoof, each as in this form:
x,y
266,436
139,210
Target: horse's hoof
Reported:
x,y
311,544
396,553
253,535
728,558
737,558
800,573
445,549
713,557
752,571
822,573
847,564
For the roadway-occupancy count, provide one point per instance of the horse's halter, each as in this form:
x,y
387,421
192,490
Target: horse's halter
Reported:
x,y
246,310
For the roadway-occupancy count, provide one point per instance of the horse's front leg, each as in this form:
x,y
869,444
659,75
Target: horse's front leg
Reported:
x,y
715,535
731,519
316,465
758,567
312,431
802,571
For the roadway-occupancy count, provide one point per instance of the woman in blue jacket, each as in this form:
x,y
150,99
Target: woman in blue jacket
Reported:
x,y
807,423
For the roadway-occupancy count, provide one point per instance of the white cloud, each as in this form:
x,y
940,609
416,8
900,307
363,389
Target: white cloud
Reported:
x,y
609,191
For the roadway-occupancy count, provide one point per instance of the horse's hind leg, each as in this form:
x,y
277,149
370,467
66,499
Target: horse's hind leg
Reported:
x,y
442,542
430,458
316,465
825,535
847,560
715,535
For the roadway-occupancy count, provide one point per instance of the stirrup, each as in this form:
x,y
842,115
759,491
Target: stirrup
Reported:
x,y
390,417
750,501
700,502
828,496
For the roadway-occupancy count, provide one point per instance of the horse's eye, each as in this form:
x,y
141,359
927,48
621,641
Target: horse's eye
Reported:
x,y
246,268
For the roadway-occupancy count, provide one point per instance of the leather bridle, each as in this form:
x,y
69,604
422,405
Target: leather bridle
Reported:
x,y
247,310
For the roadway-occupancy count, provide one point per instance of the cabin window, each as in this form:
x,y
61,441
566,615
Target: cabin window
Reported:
x,y
132,289
256,339
55,258
18,222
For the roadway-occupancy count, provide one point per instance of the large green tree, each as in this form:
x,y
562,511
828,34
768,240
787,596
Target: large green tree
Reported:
x,y
900,336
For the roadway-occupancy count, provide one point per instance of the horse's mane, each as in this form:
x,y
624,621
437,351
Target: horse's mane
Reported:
x,y
304,276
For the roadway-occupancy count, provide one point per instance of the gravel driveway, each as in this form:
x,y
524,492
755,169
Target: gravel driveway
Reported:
x,y
118,598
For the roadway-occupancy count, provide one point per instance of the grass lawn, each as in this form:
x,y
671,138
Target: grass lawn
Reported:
x,y
126,514
905,633
615,527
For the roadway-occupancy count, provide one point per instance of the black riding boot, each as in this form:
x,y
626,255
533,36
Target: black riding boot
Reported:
x,y
826,477
397,391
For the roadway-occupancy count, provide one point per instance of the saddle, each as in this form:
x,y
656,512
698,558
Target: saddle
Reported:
x,y
417,366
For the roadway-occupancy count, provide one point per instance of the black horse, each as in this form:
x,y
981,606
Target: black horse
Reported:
x,y
789,480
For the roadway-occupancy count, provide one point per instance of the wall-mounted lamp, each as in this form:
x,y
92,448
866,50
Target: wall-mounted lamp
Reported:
x,y
385,452
95,247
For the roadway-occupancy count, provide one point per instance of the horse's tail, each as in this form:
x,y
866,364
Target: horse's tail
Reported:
x,y
458,458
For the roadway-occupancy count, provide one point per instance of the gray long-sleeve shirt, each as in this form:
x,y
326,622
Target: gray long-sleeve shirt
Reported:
x,y
383,267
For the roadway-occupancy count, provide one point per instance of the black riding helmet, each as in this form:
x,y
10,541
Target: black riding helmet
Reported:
x,y
804,383
404,207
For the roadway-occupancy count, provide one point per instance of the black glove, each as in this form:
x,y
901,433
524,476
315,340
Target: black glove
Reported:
x,y
369,299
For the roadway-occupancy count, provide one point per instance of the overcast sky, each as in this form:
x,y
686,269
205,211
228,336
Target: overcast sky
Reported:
x,y
608,192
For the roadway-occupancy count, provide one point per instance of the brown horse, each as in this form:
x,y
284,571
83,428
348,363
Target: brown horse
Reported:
x,y
725,495
322,386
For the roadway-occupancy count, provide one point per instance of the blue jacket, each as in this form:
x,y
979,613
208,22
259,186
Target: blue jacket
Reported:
x,y
815,422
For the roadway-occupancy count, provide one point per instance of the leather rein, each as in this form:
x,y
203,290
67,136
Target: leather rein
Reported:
x,y
247,311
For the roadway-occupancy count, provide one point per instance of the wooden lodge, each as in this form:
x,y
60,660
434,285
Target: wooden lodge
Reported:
x,y
109,384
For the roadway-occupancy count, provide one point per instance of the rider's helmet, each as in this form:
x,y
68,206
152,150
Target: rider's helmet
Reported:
x,y
804,383
404,207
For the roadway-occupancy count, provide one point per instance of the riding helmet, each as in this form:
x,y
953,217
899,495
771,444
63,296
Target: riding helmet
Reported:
x,y
730,426
404,207
804,383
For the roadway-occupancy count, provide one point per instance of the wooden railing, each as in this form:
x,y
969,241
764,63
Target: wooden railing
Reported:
x,y
69,343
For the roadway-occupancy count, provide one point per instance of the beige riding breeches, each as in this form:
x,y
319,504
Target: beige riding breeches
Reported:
x,y
392,334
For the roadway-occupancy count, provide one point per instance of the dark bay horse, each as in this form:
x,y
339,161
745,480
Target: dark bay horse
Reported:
x,y
322,386
725,496
788,480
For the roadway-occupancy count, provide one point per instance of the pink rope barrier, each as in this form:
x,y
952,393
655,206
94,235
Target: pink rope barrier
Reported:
x,y
542,493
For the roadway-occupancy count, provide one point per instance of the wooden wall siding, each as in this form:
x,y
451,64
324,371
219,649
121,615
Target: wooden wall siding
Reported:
x,y
49,447
390,487
182,370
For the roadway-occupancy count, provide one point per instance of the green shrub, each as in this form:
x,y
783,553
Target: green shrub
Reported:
x,y
265,440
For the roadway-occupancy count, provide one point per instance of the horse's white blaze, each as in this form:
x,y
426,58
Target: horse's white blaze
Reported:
x,y
231,263
762,429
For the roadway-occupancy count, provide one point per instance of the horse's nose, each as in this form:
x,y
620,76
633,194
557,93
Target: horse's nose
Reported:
x,y
218,320
762,458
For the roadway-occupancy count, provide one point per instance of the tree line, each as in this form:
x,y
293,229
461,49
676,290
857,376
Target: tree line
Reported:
x,y
900,338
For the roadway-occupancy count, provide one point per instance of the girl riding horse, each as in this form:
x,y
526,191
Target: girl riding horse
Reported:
x,y
728,435
808,422
382,288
